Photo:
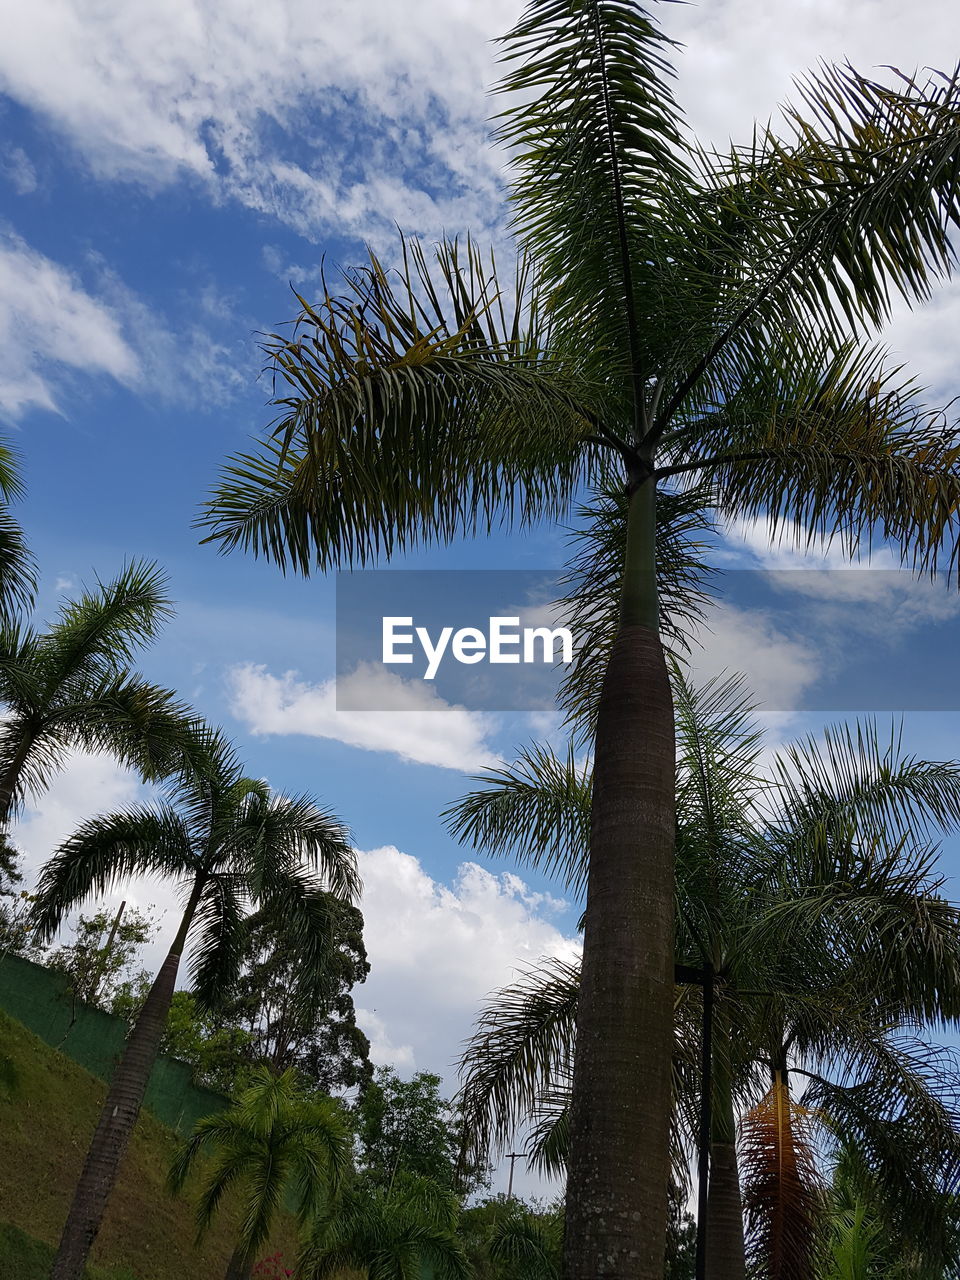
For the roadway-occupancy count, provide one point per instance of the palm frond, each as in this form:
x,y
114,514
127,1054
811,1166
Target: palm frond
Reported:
x,y
529,1244
105,850
11,486
537,809
110,622
419,409
853,772
522,1046
593,582
595,140
18,569
279,833
821,231
217,939
781,1197
144,726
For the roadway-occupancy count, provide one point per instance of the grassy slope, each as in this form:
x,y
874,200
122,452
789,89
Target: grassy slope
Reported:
x,y
44,1132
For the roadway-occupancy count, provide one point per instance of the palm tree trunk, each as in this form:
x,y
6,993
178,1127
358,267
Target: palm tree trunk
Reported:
x,y
725,1253
240,1266
620,1110
120,1111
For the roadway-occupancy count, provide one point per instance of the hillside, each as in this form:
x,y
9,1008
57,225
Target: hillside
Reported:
x,y
45,1127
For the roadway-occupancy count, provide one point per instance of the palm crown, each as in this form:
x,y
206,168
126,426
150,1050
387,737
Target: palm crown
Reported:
x,y
230,842
73,686
273,1142
681,312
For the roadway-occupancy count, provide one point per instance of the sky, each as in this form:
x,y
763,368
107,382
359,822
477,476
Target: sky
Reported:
x,y
168,174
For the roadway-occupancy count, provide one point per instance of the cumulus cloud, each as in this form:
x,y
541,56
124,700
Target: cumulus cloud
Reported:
x,y
421,727
90,783
889,600
740,59
436,951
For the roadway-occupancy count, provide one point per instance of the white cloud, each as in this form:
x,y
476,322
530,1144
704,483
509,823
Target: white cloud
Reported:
x,y
219,92
48,319
740,58
53,327
437,951
315,112
778,668
17,167
93,784
420,727
924,340
89,784
792,549
889,600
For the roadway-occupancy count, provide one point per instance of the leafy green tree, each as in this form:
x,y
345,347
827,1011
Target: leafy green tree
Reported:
x,y
400,1232
318,1035
72,686
274,1142
105,946
15,928
219,1054
684,317
229,843
508,1239
811,895
406,1126
857,1243
267,1015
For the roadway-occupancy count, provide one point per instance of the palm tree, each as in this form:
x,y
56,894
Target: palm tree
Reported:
x,y
527,1246
829,943
682,317
228,841
274,1141
401,1232
72,686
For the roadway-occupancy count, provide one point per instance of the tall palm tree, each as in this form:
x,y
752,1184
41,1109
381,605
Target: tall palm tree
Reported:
x,y
400,1232
683,317
272,1142
73,686
829,942
228,842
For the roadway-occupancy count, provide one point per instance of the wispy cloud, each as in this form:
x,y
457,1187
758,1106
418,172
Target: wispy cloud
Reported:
x,y
51,327
357,116
57,327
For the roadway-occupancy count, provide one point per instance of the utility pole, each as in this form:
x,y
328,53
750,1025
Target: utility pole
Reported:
x,y
106,953
513,1157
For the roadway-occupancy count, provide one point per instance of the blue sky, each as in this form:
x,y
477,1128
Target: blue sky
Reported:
x,y
165,175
